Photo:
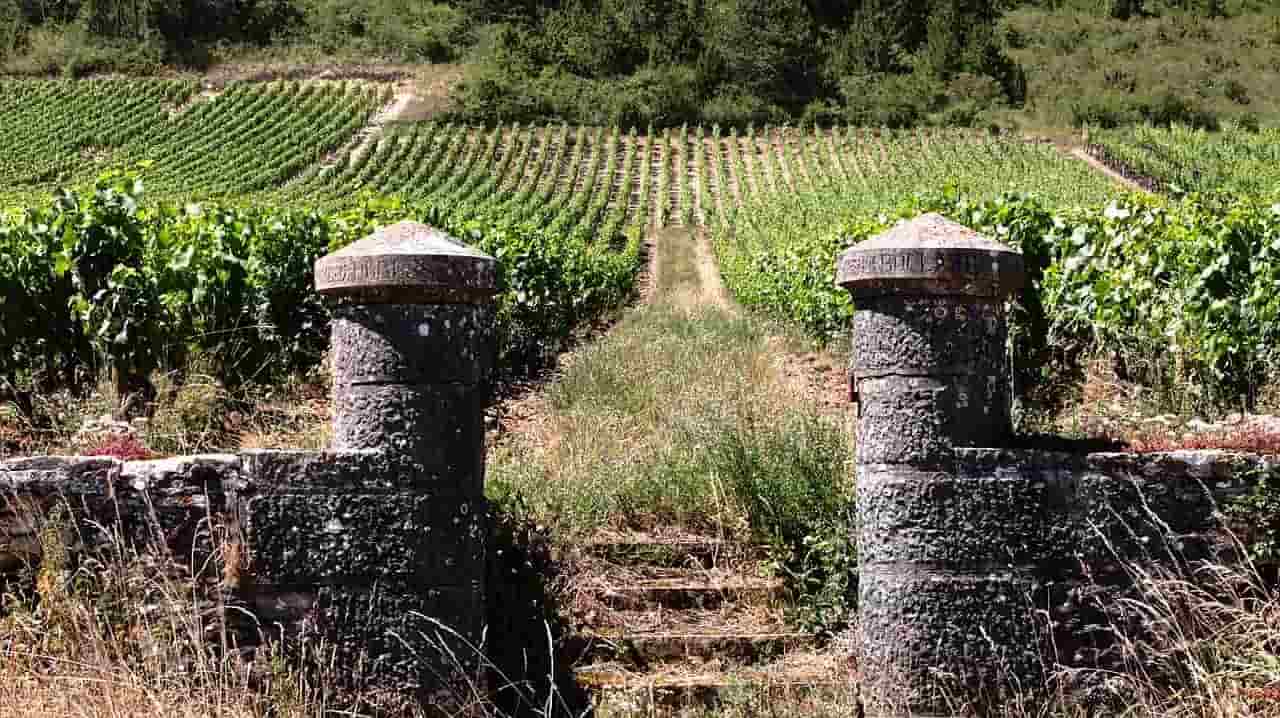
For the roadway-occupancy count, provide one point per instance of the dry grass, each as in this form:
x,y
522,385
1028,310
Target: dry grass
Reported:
x,y
638,430
126,638
1209,648
119,633
1107,407
196,415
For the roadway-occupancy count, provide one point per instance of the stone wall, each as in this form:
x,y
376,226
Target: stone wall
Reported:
x,y
983,570
1075,525
335,545
181,503
298,522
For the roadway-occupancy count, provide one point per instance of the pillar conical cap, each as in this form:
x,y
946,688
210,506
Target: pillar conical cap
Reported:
x,y
408,263
931,255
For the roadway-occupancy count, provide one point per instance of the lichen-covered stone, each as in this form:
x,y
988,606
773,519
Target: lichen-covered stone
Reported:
x,y
350,471
930,255
945,560
930,335
413,344
440,427
970,554
48,475
937,635
163,503
921,420
426,642
322,538
407,263
940,519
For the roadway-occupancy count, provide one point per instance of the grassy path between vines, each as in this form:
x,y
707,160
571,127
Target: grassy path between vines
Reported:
x,y
681,417
691,422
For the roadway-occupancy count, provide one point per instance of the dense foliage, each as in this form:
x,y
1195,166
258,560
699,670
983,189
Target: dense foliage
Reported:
x,y
736,61
592,61
870,62
1238,160
1173,62
580,184
48,127
777,250
1182,295
98,280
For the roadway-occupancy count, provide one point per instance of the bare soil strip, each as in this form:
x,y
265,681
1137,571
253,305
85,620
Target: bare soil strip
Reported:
x,y
367,137
724,159
1100,166
713,291
836,159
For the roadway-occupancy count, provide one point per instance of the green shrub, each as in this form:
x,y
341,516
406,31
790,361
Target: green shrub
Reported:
x,y
1181,293
891,100
792,480
1258,516
99,281
432,32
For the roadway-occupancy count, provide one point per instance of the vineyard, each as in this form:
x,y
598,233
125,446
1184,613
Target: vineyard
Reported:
x,y
244,187
1181,159
598,181
311,144
250,137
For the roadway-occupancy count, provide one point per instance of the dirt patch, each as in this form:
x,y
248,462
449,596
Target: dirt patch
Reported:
x,y
520,408
196,98
1098,165
432,89
818,375
427,87
95,154
713,291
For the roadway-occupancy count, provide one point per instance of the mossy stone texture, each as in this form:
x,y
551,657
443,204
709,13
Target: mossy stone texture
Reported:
x,y
943,576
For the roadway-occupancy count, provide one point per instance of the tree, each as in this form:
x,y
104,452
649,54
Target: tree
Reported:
x,y
11,25
767,47
1125,9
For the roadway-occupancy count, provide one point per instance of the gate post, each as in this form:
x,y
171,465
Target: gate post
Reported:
x,y
930,370
382,543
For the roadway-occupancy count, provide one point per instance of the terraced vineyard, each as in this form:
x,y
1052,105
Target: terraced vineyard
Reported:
x,y
1182,159
317,143
800,199
603,181
693,176
250,137
779,201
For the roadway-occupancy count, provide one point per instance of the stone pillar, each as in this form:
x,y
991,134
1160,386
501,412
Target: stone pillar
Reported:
x,y
385,540
931,376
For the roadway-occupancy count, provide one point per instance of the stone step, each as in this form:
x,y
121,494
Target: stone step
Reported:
x,y
683,552
644,650
682,593
618,692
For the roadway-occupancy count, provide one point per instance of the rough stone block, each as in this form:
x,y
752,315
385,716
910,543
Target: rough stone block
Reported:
x,y
413,344
440,427
300,538
919,420
937,635
361,471
87,476
393,635
933,336
987,522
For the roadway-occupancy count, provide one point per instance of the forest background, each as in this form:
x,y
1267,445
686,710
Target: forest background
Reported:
x,y
1017,64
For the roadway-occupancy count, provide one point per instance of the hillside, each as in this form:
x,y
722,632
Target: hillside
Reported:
x,y
1019,64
